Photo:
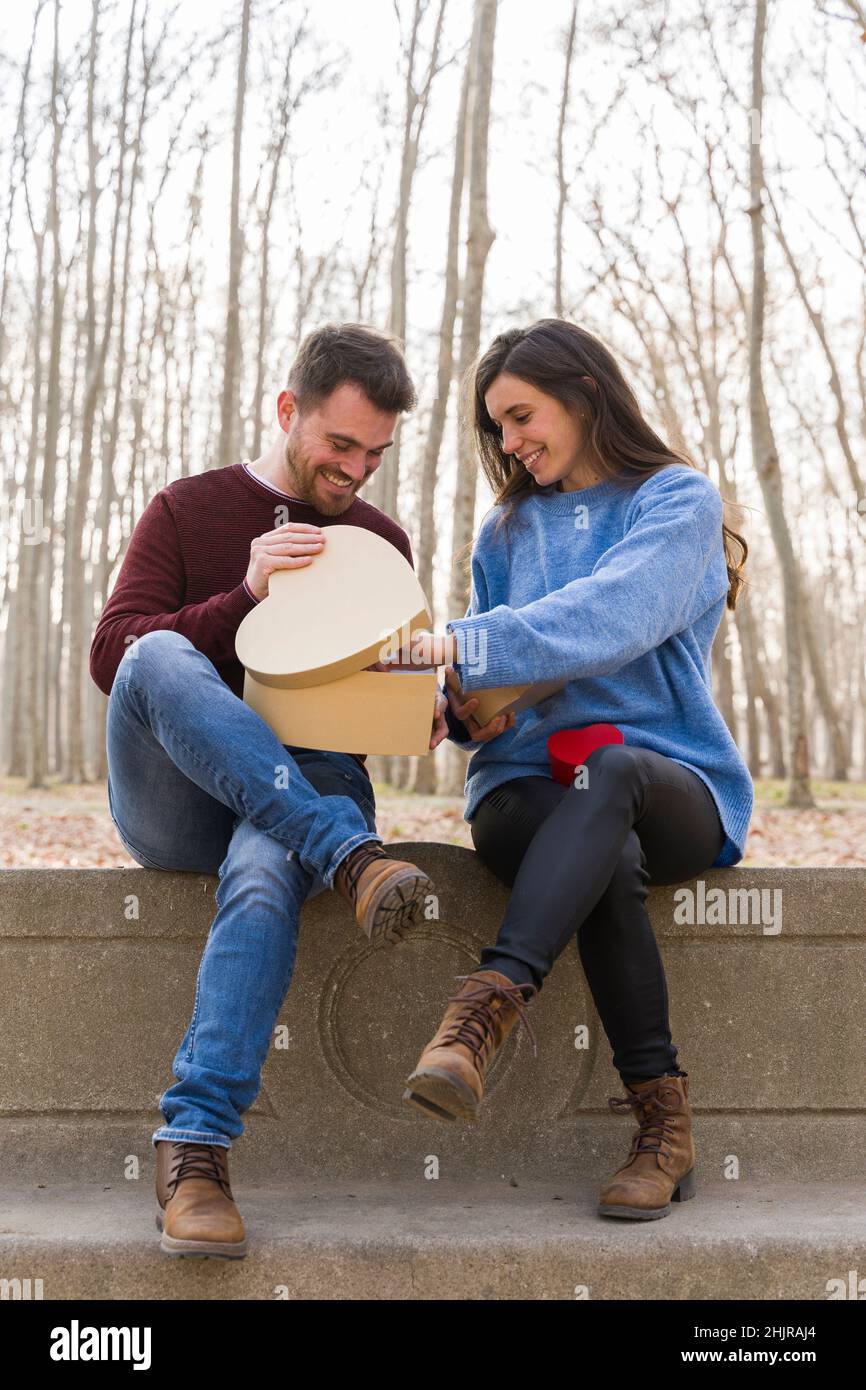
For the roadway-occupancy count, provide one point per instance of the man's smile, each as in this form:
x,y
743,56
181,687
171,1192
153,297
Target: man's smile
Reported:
x,y
336,480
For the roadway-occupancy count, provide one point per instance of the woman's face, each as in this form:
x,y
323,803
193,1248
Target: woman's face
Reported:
x,y
540,431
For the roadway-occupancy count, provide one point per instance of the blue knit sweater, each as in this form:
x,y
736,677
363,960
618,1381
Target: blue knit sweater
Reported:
x,y
620,591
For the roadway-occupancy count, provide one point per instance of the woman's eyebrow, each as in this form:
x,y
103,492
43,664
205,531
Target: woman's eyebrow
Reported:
x,y
510,411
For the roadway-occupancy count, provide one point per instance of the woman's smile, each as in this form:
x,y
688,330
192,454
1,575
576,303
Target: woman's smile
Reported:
x,y
530,460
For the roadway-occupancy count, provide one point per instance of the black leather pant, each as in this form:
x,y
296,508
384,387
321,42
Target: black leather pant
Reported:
x,y
581,860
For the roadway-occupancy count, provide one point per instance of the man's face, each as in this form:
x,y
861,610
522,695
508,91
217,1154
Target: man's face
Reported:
x,y
334,448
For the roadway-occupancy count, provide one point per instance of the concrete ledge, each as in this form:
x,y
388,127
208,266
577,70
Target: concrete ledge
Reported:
x,y
98,979
440,1240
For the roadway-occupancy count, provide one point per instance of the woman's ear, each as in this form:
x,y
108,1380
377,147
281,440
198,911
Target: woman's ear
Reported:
x,y
591,381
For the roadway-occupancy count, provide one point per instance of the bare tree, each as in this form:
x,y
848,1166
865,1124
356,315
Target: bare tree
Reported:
x,y
856,12
18,665
292,93
561,180
364,272
417,87
19,159
765,454
816,319
97,351
425,776
230,398
479,239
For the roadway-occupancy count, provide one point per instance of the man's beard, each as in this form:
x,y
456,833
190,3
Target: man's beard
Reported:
x,y
302,478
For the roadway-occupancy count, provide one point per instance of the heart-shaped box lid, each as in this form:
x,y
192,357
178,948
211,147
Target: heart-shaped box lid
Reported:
x,y
332,617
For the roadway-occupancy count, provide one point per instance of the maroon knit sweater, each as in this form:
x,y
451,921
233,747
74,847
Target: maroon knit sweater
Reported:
x,y
186,561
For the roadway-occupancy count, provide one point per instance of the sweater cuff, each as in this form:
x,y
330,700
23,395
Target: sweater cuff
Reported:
x,y
250,593
481,652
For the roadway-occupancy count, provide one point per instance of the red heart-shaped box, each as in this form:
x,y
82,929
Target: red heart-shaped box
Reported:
x,y
569,748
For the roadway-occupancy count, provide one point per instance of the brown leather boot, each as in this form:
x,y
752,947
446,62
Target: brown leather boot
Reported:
x,y
196,1213
387,895
448,1082
661,1164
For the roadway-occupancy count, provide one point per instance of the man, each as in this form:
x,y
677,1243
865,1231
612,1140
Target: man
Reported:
x,y
197,780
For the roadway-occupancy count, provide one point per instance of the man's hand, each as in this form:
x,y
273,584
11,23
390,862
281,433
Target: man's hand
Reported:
x,y
288,547
463,709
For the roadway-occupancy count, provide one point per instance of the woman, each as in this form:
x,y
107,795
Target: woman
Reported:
x,y
604,563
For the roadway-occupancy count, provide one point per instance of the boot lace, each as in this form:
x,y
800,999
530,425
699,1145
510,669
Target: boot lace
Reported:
x,y
354,864
476,1025
653,1114
198,1161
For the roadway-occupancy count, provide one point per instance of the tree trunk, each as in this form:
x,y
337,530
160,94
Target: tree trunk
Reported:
x,y
840,753
230,399
479,237
39,576
723,682
425,776
764,452
753,678
561,181
386,482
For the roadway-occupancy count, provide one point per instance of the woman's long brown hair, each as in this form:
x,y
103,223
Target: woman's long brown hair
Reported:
x,y
557,357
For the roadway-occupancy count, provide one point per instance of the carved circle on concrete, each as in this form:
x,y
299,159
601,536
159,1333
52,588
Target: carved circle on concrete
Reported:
x,y
381,1004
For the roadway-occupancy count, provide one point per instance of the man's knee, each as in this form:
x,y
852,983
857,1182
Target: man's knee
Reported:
x,y
154,651
263,866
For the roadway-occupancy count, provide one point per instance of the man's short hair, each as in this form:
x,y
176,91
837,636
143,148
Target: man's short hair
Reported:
x,y
338,353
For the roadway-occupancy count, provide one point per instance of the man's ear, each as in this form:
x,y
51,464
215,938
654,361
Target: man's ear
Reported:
x,y
287,406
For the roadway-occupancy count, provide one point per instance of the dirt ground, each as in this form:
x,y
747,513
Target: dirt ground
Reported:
x,y
69,827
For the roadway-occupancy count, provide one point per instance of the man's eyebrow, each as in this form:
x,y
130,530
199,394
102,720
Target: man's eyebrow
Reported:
x,y
347,439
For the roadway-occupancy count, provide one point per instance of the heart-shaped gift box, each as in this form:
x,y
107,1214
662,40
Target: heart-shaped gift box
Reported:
x,y
305,647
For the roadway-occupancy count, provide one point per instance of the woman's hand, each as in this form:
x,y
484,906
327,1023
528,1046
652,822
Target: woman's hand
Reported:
x,y
425,649
440,724
479,733
463,709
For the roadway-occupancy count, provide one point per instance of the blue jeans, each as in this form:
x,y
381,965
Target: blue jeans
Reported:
x,y
197,781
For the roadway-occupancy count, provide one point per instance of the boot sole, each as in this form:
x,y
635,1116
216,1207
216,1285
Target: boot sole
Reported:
x,y
440,1095
682,1192
220,1250
397,906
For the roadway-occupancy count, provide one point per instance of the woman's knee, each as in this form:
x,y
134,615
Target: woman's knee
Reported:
x,y
614,761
